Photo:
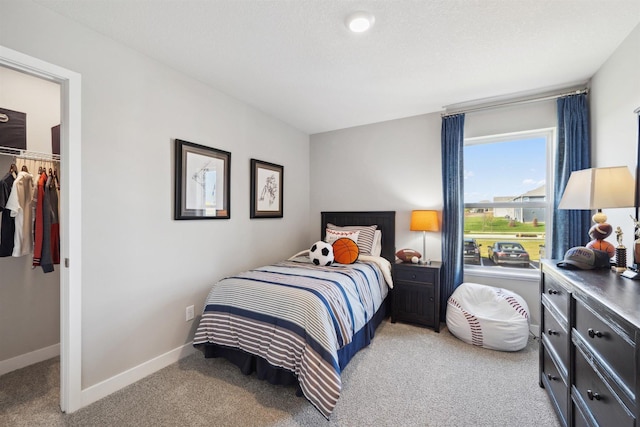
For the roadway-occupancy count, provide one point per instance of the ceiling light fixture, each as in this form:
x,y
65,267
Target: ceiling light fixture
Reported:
x,y
360,21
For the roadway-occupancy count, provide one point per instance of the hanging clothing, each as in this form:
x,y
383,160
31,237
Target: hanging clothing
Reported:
x,y
29,208
20,205
46,261
7,222
42,227
52,188
38,222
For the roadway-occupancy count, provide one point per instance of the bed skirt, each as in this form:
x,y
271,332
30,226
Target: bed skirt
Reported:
x,y
249,363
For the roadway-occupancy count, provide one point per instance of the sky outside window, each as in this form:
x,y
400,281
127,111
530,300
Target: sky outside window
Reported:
x,y
501,169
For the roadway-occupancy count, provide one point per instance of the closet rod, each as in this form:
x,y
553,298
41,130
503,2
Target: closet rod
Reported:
x,y
489,106
25,154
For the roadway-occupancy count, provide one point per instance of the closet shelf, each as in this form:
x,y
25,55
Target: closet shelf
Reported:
x,y
26,154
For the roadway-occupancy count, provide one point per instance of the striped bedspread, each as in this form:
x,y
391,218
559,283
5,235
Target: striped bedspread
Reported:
x,y
296,316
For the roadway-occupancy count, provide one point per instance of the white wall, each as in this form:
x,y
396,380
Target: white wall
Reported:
x,y
615,94
29,298
140,267
393,165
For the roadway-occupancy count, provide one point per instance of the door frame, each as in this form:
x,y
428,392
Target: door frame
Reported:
x,y
70,218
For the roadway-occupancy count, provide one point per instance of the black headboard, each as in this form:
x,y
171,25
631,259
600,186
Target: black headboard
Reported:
x,y
385,220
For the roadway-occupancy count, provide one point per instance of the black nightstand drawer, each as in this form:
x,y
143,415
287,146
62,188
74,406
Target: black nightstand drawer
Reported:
x,y
415,274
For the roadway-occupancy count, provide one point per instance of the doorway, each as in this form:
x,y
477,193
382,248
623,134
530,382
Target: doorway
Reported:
x,y
70,218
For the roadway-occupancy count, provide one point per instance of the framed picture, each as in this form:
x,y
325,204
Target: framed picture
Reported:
x,y
266,189
202,182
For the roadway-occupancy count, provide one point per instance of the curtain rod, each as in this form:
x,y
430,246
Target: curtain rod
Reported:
x,y
637,110
490,106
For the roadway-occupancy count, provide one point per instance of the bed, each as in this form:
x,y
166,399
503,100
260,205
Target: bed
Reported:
x,y
293,322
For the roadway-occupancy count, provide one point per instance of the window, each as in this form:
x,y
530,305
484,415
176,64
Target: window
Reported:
x,y
507,215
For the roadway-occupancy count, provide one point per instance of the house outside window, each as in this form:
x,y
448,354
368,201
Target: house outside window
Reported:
x,y
508,180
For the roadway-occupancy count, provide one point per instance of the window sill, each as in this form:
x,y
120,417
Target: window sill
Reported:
x,y
530,275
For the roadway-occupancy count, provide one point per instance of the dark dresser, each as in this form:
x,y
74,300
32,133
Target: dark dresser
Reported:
x,y
589,359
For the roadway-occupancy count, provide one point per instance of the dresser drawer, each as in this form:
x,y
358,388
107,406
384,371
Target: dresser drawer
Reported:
x,y
578,418
557,388
601,402
610,346
557,337
414,274
557,295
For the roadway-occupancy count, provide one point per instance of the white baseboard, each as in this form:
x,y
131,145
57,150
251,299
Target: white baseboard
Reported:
x,y
130,376
27,359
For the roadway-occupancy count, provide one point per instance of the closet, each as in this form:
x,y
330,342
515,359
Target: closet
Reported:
x,y
29,198
30,294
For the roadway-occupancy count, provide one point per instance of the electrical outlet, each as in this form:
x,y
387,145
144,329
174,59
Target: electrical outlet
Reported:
x,y
189,313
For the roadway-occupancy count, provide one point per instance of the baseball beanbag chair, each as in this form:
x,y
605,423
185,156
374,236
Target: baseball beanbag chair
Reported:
x,y
488,317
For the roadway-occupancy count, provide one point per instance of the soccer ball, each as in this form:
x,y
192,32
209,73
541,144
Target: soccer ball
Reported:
x,y
321,253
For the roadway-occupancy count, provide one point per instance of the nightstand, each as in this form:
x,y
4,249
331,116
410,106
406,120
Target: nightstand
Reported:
x,y
416,294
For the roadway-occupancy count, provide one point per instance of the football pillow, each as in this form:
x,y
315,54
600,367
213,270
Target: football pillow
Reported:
x,y
406,254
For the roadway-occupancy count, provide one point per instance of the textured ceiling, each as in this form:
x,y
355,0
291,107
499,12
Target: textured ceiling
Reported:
x,y
295,59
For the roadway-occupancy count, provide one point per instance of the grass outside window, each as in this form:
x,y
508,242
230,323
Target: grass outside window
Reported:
x,y
487,230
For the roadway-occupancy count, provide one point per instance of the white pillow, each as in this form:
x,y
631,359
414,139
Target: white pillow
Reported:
x,y
333,235
377,243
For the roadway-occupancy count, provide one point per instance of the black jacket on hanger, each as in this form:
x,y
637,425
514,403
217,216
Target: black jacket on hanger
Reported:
x,y
8,224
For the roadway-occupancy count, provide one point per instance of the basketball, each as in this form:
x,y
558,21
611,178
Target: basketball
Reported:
x,y
602,245
345,251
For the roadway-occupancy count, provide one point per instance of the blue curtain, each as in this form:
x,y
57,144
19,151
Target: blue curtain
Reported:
x,y
570,227
452,139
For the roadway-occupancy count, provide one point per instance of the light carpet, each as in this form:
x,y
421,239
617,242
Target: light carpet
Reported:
x,y
408,376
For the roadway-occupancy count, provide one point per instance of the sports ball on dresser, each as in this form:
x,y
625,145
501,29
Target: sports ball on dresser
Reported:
x,y
598,233
602,245
321,253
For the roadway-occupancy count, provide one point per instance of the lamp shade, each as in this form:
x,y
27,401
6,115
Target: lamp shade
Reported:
x,y
599,188
424,221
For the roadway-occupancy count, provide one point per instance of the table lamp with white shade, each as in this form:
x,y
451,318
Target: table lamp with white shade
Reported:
x,y
600,188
